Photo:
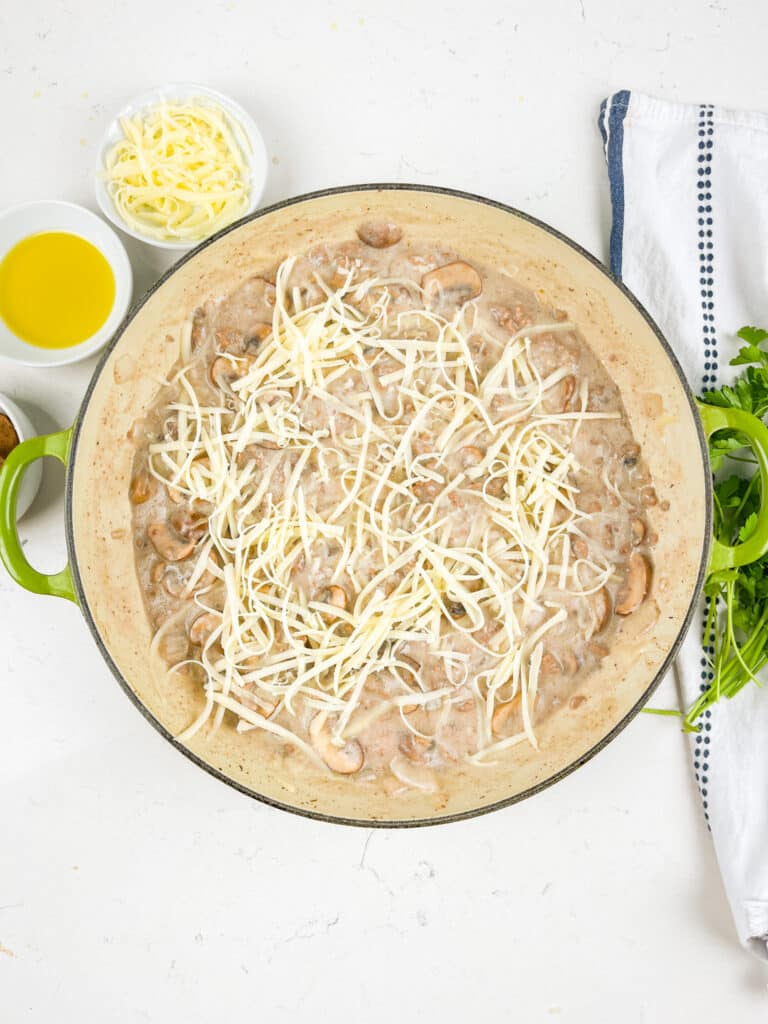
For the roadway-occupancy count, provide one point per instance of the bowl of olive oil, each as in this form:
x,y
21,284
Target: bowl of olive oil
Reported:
x,y
65,283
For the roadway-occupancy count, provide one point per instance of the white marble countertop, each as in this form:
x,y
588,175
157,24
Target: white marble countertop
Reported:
x,y
133,887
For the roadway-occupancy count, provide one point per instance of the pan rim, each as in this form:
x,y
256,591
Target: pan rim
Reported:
x,y
442,819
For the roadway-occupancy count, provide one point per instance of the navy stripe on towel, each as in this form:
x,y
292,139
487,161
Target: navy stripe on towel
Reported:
x,y
706,253
611,122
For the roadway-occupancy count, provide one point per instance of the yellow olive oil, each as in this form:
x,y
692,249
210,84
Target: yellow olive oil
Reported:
x,y
56,289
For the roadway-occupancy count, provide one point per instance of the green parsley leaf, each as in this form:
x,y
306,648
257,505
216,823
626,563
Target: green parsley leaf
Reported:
x,y
737,616
752,335
750,354
748,527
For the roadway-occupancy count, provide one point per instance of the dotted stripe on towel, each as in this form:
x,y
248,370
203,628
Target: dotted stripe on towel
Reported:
x,y
701,754
706,130
706,133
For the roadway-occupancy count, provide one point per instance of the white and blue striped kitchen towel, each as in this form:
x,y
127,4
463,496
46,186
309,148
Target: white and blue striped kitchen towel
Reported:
x,y
689,193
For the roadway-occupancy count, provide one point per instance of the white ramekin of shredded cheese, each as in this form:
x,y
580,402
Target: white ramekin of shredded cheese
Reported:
x,y
178,163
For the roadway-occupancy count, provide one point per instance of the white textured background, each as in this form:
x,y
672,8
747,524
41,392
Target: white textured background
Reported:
x,y
133,887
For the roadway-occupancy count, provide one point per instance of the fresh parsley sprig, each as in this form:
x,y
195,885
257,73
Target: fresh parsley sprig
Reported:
x,y
736,626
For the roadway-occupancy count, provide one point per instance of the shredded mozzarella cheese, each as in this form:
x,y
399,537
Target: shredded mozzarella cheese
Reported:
x,y
180,172
397,528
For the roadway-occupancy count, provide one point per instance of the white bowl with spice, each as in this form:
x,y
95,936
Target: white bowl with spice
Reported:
x,y
177,164
15,427
65,283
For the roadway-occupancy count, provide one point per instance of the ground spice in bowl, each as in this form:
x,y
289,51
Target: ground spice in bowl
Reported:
x,y
8,438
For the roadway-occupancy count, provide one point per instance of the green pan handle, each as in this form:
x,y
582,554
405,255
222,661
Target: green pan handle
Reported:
x,y
11,554
725,556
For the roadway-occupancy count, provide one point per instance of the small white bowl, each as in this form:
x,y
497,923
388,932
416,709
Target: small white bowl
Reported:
x,y
30,483
20,222
180,92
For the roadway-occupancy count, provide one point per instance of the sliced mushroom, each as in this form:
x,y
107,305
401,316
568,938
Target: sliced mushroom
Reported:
x,y
203,627
423,442
170,547
259,289
228,339
601,605
256,453
637,528
336,597
223,371
570,664
200,471
415,669
344,760
340,279
549,666
415,748
630,453
567,388
258,704
426,490
174,579
636,587
648,497
173,647
579,547
169,577
257,334
470,455
459,280
192,520
379,234
417,776
455,609
305,296
142,487
505,711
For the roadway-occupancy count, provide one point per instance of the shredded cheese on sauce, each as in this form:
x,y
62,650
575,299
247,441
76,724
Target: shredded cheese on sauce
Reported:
x,y
180,172
411,540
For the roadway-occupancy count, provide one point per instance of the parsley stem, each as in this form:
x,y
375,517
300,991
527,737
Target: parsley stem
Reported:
x,y
747,494
735,637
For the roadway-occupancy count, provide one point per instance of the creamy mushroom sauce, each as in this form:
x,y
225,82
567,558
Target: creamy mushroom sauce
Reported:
x,y
413,744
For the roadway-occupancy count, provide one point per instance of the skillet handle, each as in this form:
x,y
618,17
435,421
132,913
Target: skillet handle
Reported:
x,y
11,554
714,418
